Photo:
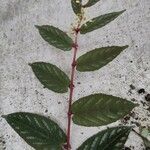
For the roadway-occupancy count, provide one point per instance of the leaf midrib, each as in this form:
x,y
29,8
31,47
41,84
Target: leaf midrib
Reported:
x,y
50,76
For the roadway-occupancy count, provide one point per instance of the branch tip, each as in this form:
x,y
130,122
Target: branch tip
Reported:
x,y
77,30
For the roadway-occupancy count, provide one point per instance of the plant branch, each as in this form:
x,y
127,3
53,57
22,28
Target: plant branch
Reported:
x,y
73,68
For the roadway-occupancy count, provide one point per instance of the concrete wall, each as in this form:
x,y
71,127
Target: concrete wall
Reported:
x,y
20,44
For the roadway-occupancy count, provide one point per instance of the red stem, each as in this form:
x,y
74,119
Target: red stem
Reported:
x,y
73,68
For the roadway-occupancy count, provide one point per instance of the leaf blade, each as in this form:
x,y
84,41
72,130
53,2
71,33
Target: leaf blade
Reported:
x,y
77,6
98,58
100,109
91,3
38,131
109,139
145,134
55,37
99,22
51,76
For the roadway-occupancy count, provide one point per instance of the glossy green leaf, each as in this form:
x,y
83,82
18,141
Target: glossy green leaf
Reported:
x,y
100,109
99,22
109,139
90,3
77,6
98,58
51,76
38,131
55,37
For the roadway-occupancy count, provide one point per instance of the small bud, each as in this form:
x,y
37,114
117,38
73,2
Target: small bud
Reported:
x,y
74,64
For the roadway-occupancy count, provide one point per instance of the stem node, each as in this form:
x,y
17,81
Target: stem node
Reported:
x,y
75,45
71,86
77,30
70,113
74,64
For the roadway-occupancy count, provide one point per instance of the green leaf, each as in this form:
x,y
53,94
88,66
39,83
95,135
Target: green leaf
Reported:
x,y
77,6
51,76
98,58
99,22
55,37
109,139
38,131
146,142
100,109
90,3
145,134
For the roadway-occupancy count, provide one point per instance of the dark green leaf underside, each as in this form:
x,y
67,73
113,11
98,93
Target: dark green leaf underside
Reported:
x,y
99,22
77,6
55,37
51,76
98,58
38,131
109,139
100,109
90,3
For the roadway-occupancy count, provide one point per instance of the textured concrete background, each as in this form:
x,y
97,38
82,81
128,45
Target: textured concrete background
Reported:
x,y
20,44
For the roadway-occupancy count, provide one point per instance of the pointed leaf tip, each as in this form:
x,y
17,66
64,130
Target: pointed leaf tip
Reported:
x,y
4,116
123,11
90,3
126,46
30,64
99,22
36,26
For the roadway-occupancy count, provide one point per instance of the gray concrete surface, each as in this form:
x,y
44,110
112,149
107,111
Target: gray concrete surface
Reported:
x,y
20,44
